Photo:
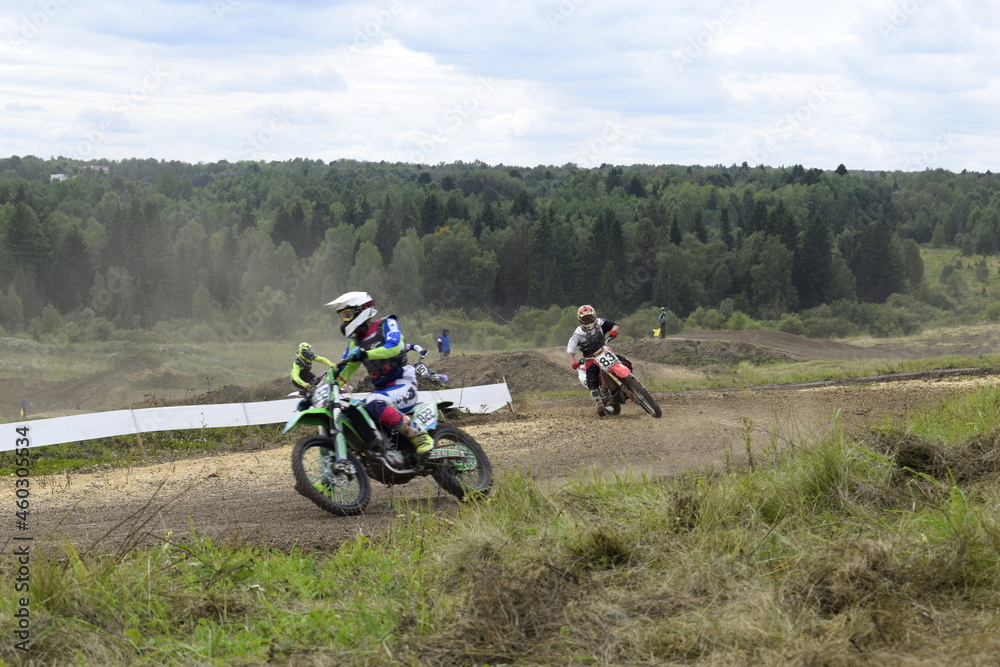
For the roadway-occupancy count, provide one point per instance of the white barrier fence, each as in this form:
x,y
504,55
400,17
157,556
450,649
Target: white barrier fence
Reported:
x,y
482,399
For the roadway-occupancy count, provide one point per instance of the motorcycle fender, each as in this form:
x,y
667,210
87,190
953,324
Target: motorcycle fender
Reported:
x,y
621,370
314,416
425,415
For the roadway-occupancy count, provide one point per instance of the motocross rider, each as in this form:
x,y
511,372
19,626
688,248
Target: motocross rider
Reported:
x,y
413,347
379,345
588,338
302,375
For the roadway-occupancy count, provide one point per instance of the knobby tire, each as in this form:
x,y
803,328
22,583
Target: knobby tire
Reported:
x,y
341,494
642,396
456,477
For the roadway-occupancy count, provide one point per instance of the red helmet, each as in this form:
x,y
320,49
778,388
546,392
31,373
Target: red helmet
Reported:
x,y
587,316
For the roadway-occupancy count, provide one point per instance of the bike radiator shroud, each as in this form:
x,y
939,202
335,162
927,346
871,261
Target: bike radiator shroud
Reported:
x,y
361,425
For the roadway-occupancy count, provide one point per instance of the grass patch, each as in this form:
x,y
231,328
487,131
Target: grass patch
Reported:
x,y
822,370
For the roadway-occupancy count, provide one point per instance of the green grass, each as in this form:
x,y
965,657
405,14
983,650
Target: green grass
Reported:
x,y
821,370
828,548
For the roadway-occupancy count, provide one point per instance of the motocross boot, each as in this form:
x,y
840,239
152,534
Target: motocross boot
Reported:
x,y
421,439
601,408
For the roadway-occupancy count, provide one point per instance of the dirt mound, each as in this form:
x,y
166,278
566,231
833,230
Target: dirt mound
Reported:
x,y
165,378
699,353
272,390
522,370
423,384
797,347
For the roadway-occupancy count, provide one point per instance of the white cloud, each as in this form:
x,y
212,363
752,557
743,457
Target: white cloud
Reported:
x,y
514,81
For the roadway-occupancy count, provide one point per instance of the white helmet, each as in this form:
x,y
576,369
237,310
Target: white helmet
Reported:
x,y
353,309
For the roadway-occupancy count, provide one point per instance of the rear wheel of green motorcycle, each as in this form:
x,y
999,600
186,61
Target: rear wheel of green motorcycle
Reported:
x,y
338,487
461,467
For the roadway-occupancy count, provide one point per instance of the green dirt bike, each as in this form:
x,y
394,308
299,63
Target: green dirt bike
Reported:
x,y
333,469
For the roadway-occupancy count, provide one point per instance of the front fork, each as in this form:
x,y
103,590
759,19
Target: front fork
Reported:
x,y
340,444
613,384
339,440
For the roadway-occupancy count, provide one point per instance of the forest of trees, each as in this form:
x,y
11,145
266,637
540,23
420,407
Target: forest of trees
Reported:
x,y
253,249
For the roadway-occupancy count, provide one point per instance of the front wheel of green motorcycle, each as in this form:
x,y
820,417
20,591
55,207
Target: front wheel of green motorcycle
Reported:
x,y
339,487
461,467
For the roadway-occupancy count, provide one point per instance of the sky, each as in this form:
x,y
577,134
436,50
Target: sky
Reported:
x,y
871,84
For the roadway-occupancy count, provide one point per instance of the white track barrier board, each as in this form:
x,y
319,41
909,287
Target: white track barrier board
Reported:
x,y
482,399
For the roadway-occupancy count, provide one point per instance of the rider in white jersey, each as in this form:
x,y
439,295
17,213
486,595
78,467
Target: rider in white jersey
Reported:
x,y
587,339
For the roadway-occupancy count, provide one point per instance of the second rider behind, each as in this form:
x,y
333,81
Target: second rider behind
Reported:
x,y
378,344
588,338
302,375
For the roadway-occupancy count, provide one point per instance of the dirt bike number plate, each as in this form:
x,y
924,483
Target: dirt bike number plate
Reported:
x,y
606,359
425,417
321,396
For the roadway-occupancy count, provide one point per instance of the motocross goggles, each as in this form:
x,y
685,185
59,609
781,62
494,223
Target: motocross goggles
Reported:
x,y
347,314
588,319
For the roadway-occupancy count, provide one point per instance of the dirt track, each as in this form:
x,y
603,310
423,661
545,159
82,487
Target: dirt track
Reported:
x,y
250,496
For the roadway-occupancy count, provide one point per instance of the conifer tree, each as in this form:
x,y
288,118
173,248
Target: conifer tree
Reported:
x,y
811,267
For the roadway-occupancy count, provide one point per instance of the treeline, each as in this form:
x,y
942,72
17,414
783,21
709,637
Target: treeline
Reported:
x,y
253,249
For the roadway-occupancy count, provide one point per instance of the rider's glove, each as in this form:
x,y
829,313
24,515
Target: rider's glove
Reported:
x,y
356,354
613,334
423,353
575,365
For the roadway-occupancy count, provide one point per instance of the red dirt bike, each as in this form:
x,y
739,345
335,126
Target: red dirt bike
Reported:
x,y
617,384
424,372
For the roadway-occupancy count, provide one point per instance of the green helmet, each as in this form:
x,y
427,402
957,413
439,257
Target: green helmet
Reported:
x,y
306,352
